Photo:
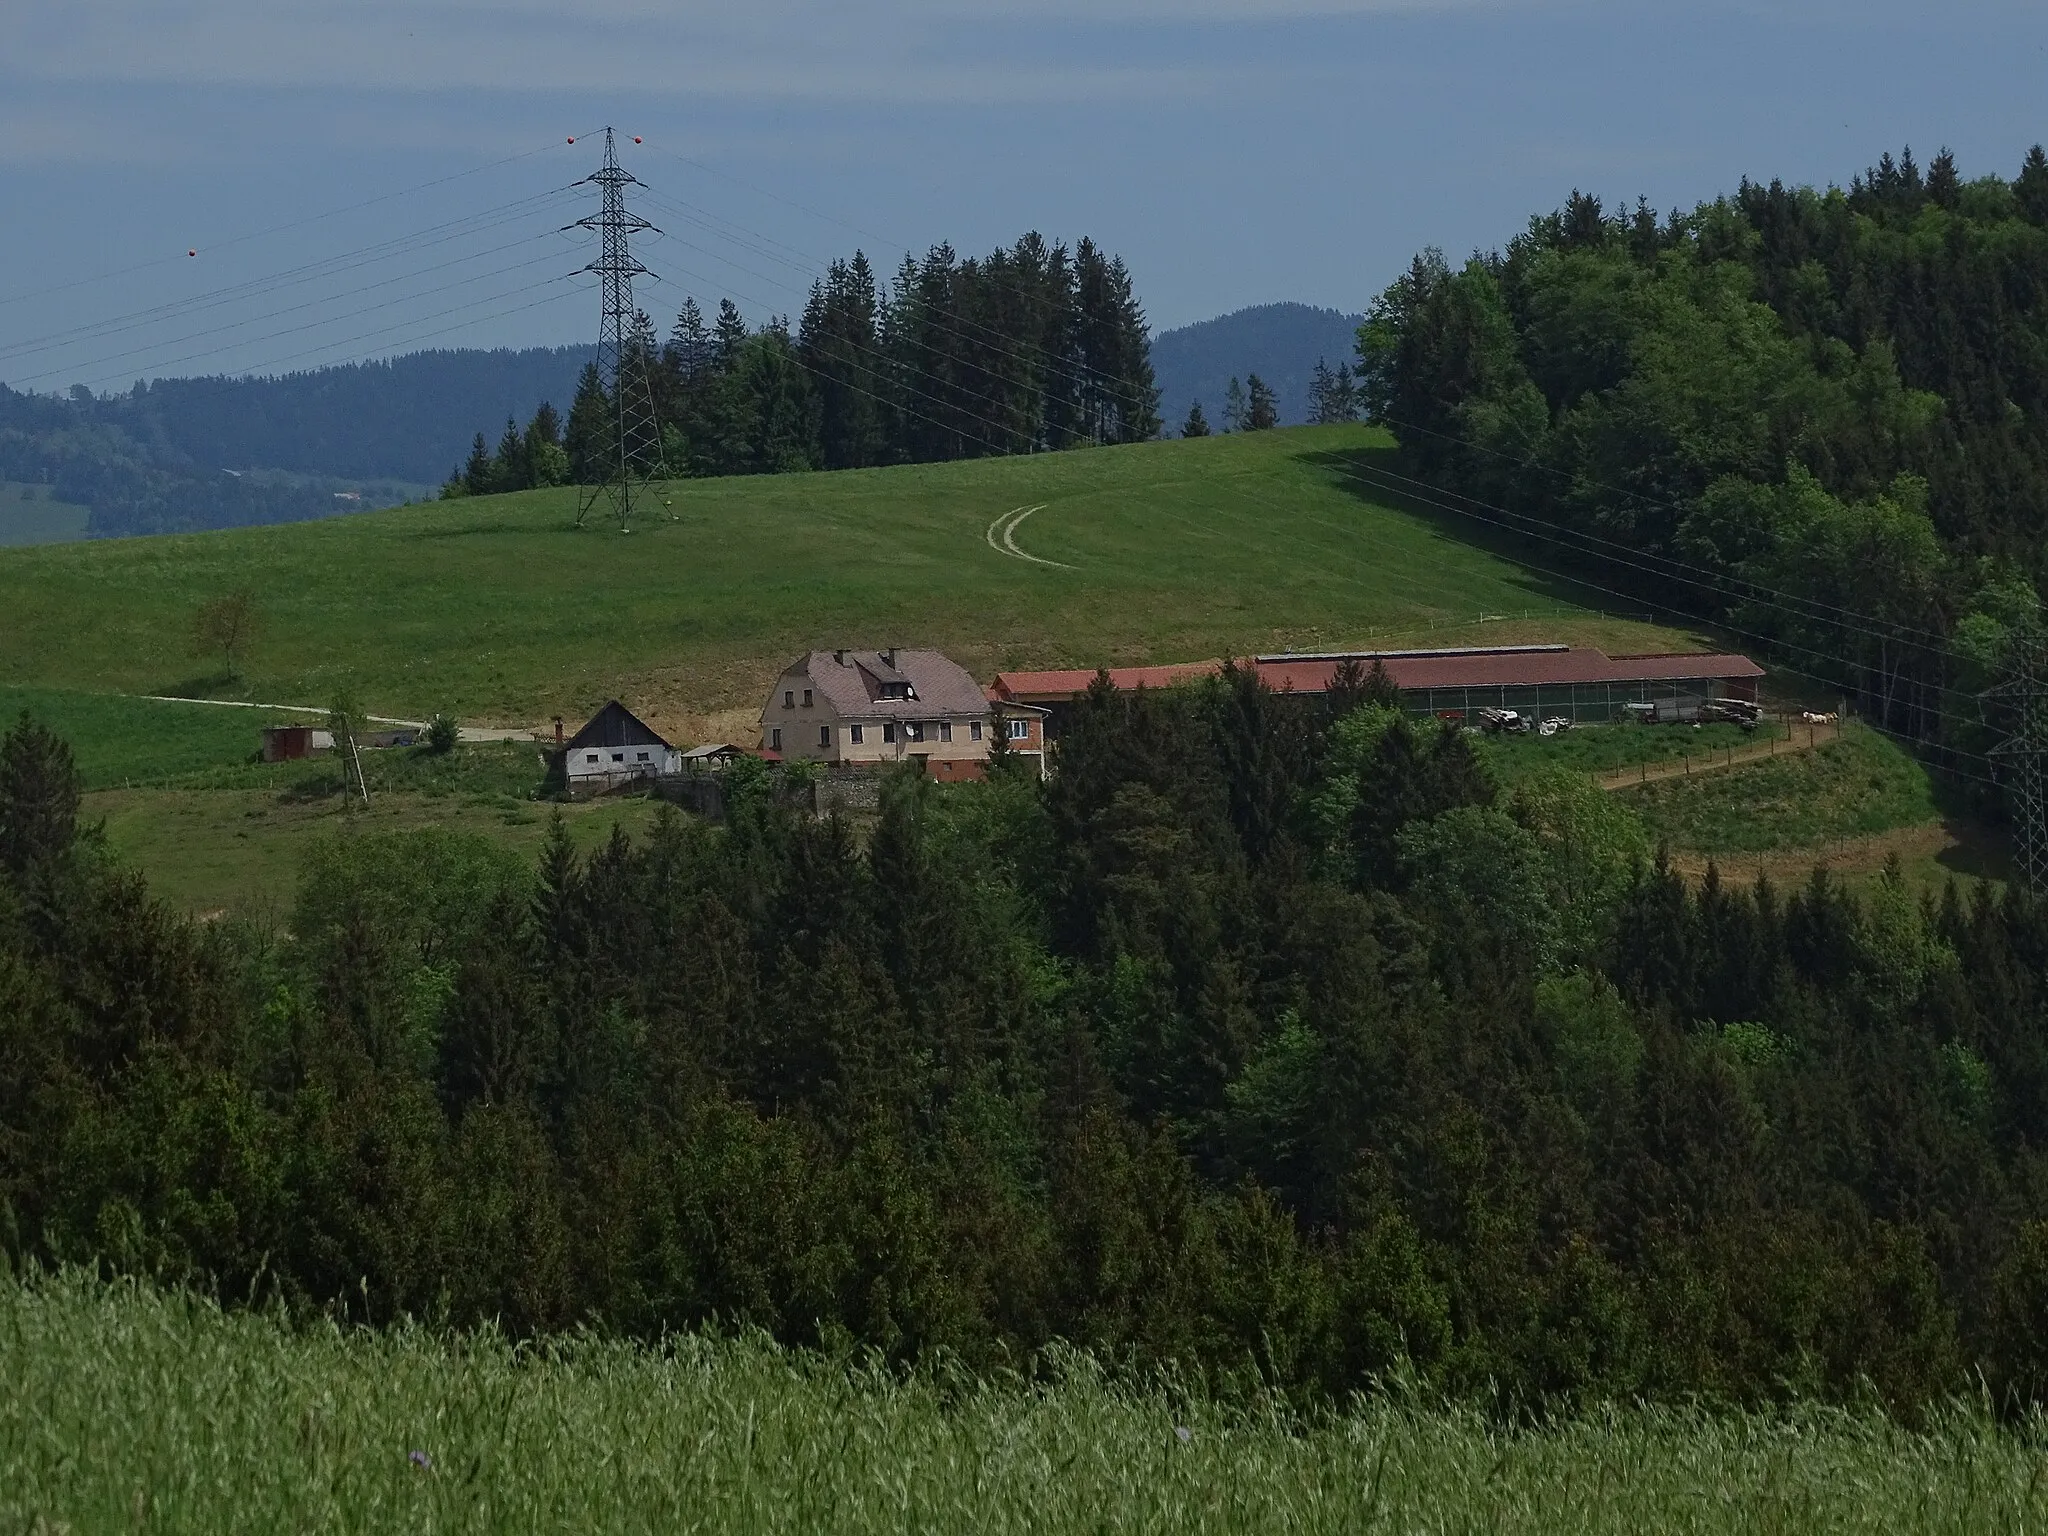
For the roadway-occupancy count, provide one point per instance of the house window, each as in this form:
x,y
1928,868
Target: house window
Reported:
x,y
807,698
640,757
824,735
945,730
590,757
618,757
858,732
913,731
1020,730
974,730
889,730
775,739
788,699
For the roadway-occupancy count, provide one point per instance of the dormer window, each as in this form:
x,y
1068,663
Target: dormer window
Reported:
x,y
895,690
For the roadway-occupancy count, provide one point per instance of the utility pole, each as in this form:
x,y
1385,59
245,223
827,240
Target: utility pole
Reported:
x,y
633,452
2021,756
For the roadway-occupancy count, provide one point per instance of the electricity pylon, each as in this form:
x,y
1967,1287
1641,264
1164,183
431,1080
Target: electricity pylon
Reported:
x,y
632,453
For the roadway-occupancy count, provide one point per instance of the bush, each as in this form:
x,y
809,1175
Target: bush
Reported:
x,y
443,733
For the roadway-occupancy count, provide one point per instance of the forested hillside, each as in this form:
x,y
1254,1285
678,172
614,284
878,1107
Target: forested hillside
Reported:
x,y
1821,416
1271,1038
1281,343
1030,349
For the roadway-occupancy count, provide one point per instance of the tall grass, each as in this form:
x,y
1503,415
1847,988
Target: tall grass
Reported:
x,y
125,1408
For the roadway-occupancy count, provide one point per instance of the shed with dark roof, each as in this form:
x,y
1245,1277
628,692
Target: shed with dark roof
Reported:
x,y
615,747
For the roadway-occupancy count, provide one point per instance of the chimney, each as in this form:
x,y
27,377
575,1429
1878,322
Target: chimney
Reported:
x,y
839,657
889,657
558,730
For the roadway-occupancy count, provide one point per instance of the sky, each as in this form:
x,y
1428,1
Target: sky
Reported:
x,y
375,177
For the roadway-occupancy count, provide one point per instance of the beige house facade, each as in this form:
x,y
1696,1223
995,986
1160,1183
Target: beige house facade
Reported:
x,y
851,709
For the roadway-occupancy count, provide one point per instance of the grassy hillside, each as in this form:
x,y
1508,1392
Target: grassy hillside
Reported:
x,y
125,1408
29,516
498,607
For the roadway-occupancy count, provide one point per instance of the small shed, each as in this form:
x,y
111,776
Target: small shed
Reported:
x,y
614,748
714,756
290,743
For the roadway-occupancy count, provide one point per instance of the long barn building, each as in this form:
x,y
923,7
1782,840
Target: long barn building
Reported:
x,y
1579,683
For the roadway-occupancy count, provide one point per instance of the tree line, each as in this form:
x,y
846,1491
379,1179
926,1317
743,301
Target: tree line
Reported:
x,y
1032,348
1271,1037
1818,416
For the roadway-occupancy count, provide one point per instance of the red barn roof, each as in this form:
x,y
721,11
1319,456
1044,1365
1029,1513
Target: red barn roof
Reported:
x,y
1038,687
1510,667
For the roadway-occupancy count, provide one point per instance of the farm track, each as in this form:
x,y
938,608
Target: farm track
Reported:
x,y
1008,524
1804,739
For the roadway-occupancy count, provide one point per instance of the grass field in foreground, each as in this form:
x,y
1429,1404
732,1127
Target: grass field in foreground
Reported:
x,y
496,607
123,1408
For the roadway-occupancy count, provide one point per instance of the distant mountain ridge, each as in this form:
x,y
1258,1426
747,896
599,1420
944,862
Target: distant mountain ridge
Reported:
x,y
404,418
1278,342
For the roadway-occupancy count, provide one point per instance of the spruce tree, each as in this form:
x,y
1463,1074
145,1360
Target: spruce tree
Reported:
x,y
589,431
508,464
1262,409
1233,406
1321,384
476,473
2032,187
1197,425
546,461
730,335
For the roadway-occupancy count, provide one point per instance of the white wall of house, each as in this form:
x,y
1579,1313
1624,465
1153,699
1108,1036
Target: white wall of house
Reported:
x,y
618,763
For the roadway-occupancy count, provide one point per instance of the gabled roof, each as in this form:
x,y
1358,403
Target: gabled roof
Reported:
x,y
616,726
851,683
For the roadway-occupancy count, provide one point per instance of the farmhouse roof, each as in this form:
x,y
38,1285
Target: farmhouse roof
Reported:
x,y
616,726
1508,667
1021,687
853,684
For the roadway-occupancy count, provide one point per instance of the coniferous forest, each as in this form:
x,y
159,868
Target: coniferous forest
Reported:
x,y
1032,348
1269,1037
1820,417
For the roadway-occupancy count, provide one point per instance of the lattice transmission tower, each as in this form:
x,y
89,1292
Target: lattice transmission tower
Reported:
x,y
2023,758
633,450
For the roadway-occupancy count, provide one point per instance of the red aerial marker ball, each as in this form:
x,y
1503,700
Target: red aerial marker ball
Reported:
x,y
636,138
191,253
572,138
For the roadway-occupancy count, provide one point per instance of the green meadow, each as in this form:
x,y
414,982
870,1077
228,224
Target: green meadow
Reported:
x,y
500,608
125,1408
29,514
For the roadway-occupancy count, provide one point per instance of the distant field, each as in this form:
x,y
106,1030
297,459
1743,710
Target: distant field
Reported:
x,y
123,1408
240,850
120,740
1604,748
29,516
1854,787
496,607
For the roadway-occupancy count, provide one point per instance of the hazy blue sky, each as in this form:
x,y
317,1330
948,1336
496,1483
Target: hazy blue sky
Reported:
x,y
1234,151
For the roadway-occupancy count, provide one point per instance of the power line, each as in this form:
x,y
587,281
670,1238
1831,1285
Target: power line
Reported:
x,y
275,229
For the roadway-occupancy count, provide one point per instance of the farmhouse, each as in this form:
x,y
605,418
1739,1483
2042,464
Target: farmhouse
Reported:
x,y
617,746
867,708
